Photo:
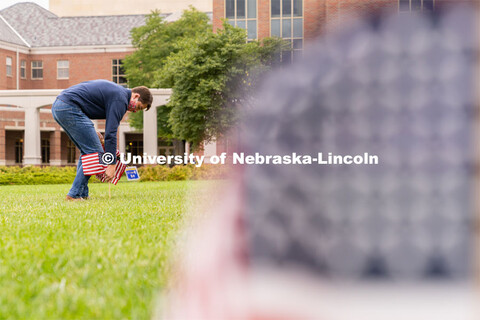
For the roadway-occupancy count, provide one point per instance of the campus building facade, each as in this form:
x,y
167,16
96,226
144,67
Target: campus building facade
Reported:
x,y
39,50
300,21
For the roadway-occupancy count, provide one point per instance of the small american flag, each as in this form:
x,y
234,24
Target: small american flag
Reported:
x,y
92,164
119,170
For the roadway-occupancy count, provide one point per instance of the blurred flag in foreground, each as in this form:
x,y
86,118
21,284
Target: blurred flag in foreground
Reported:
x,y
362,242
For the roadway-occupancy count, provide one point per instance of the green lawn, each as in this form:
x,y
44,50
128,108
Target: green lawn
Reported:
x,y
95,259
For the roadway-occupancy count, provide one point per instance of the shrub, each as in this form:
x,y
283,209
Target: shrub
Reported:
x,y
178,173
56,175
153,173
36,175
187,172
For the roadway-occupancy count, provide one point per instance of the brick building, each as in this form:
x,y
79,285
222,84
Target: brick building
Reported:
x,y
39,50
302,20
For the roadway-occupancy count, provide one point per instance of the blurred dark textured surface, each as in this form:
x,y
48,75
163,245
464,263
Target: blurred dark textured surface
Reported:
x,y
400,88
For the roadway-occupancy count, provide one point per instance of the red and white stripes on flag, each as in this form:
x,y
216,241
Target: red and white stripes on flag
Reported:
x,y
92,165
119,170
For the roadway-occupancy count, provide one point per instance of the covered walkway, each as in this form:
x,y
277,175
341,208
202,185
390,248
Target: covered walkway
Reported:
x,y
31,101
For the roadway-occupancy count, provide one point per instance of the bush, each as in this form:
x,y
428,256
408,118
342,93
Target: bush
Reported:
x,y
178,173
56,175
187,172
36,175
154,173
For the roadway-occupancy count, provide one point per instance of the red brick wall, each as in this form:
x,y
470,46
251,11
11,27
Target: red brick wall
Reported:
x,y
83,67
7,82
344,11
263,16
314,15
218,13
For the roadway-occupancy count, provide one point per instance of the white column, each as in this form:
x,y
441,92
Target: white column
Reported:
x,y
210,149
150,140
32,155
121,138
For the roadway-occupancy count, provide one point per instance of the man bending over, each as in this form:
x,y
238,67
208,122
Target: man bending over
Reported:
x,y
96,99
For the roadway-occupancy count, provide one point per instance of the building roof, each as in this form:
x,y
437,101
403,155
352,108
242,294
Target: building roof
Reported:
x,y
29,24
41,28
7,34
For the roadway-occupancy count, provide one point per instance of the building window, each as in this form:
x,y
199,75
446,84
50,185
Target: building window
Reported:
x,y
71,156
19,151
243,14
37,70
23,69
45,150
287,22
135,148
416,5
9,66
165,148
118,73
63,67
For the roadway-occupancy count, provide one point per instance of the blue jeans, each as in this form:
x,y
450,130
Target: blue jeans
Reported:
x,y
81,131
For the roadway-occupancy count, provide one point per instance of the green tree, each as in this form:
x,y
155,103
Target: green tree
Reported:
x,y
154,42
212,76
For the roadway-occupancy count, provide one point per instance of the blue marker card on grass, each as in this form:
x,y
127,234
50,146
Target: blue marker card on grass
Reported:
x,y
132,173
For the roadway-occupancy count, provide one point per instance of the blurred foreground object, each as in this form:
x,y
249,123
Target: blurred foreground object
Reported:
x,y
387,241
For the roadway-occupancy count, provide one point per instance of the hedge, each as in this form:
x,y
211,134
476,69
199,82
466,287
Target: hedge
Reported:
x,y
13,175
187,172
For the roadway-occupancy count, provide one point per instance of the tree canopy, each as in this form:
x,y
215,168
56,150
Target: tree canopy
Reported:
x,y
211,74
154,42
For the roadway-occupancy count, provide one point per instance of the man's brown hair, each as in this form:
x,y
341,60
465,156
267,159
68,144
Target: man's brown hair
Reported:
x,y
146,97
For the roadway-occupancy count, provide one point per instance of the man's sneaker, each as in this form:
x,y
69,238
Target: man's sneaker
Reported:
x,y
68,198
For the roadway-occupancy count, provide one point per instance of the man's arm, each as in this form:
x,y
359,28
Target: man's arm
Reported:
x,y
115,112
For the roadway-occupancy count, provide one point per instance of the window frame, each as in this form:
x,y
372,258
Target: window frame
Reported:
x,y
9,66
292,39
63,68
19,150
118,65
422,9
23,68
45,150
135,147
36,68
235,21
71,152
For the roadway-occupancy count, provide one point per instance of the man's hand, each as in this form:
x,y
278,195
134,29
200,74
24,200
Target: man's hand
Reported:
x,y
110,173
